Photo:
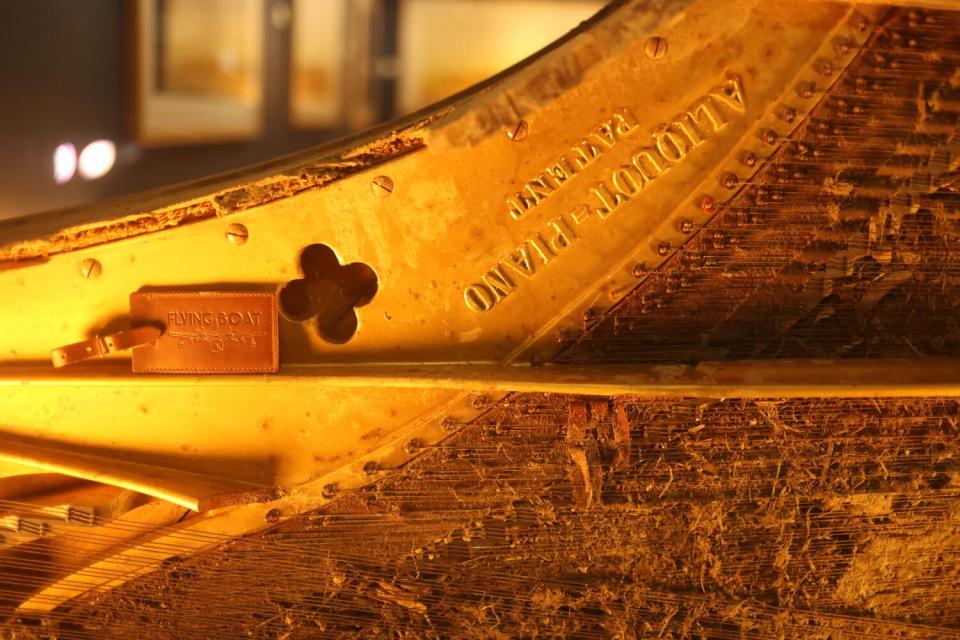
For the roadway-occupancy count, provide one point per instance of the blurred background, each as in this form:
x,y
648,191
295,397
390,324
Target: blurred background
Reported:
x,y
100,98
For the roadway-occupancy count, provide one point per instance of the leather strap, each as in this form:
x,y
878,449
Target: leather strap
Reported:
x,y
100,346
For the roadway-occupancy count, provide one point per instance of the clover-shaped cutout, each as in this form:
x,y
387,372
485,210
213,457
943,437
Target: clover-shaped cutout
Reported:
x,y
328,292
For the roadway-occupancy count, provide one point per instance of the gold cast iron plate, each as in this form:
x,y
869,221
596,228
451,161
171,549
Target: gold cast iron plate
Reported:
x,y
207,332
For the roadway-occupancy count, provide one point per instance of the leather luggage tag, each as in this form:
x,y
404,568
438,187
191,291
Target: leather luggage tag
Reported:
x,y
207,332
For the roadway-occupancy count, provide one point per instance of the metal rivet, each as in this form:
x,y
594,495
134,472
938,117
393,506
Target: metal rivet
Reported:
x,y
639,270
663,248
789,115
825,68
843,47
860,23
686,225
370,468
328,490
382,186
237,233
770,137
730,181
806,89
481,402
589,315
707,204
655,47
90,268
448,424
273,516
749,158
519,131
412,446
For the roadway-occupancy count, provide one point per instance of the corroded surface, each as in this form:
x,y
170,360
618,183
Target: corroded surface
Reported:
x,y
592,518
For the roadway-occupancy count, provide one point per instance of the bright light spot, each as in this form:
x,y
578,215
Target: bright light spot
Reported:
x,y
64,162
97,159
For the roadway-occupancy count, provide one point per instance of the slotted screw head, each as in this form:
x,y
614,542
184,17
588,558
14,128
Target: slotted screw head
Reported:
x,y
655,47
237,233
382,186
519,131
90,268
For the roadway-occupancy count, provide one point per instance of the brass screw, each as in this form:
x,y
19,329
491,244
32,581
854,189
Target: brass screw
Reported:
x,y
481,402
639,270
708,204
730,181
686,225
90,268
370,468
655,47
789,115
273,516
328,490
825,68
663,248
589,315
749,158
382,186
448,424
770,137
519,131
412,446
237,233
806,89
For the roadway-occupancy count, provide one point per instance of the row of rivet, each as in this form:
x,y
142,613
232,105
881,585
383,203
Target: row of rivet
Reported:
x,y
782,122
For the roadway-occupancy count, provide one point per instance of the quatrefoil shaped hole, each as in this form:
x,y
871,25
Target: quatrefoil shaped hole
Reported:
x,y
328,293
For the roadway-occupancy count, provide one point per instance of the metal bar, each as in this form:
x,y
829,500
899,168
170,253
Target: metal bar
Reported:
x,y
195,491
742,379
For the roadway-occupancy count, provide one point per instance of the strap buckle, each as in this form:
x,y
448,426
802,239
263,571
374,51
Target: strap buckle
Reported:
x,y
100,346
